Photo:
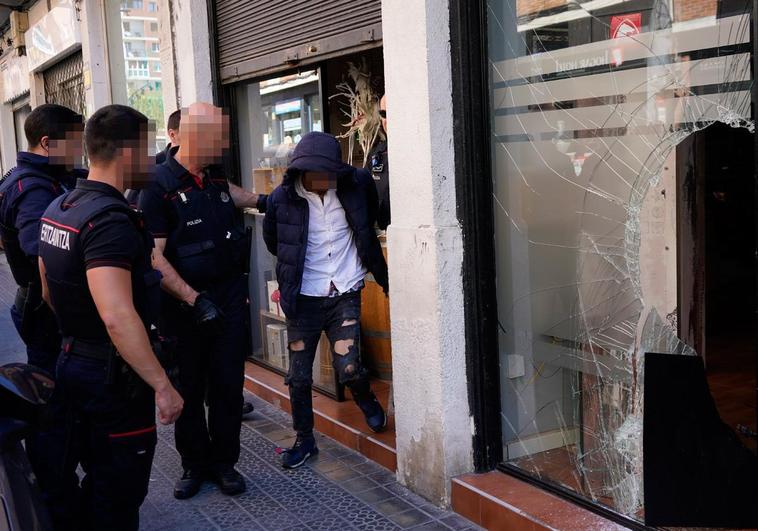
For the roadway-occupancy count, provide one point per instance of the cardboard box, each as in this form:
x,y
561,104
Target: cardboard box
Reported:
x,y
276,337
265,180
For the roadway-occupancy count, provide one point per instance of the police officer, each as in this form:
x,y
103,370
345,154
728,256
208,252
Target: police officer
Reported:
x,y
54,134
200,248
378,163
97,278
42,173
238,194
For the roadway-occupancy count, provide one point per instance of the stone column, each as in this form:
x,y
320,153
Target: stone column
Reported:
x,y
434,426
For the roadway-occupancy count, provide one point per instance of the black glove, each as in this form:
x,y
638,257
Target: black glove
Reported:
x,y
207,315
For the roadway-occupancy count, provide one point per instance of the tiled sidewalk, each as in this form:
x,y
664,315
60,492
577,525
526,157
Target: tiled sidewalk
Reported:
x,y
11,347
339,489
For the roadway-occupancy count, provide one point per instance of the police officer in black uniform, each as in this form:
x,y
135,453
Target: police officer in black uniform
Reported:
x,y
42,173
200,248
378,164
97,277
54,134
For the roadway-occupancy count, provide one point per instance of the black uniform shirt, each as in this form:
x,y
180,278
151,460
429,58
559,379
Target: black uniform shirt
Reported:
x,y
110,239
378,164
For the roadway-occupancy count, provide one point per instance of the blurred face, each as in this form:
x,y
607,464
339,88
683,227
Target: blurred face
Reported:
x,y
139,159
319,182
383,112
205,134
68,151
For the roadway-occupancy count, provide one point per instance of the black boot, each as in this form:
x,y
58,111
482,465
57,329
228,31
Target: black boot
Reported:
x,y
189,484
229,481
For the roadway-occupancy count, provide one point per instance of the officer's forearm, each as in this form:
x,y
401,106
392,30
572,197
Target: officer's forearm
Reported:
x,y
242,198
172,282
111,289
128,334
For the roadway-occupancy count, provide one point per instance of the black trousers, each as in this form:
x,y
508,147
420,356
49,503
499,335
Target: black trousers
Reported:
x,y
110,415
212,368
340,318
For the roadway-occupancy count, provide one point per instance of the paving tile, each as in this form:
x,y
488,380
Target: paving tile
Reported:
x,y
431,526
456,522
411,518
353,459
392,505
341,474
383,477
368,468
374,495
324,463
359,484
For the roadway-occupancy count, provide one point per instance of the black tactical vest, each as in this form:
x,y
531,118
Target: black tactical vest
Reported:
x,y
206,242
24,270
62,254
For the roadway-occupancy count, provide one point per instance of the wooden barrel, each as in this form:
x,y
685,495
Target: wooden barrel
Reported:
x,y
376,346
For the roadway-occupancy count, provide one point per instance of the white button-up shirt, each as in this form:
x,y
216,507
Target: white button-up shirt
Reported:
x,y
331,256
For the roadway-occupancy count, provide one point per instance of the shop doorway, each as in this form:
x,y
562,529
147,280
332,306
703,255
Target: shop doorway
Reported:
x,y
717,244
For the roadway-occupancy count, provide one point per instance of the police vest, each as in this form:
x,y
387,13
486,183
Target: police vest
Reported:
x,y
24,270
206,243
65,270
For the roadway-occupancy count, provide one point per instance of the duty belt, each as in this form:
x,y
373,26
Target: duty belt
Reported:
x,y
103,351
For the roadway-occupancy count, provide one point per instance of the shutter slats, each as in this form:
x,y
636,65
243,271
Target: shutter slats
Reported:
x,y
248,30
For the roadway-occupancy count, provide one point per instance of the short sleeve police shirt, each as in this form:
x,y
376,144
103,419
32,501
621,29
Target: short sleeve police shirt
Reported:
x,y
111,240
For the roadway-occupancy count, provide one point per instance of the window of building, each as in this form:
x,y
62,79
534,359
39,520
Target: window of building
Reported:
x,y
153,27
589,110
135,61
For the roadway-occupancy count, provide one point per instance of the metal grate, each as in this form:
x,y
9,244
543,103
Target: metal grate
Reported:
x,y
64,83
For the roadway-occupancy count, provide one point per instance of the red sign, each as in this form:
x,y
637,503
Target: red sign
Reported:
x,y
626,25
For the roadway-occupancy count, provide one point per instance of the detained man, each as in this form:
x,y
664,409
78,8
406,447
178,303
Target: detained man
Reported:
x,y
320,225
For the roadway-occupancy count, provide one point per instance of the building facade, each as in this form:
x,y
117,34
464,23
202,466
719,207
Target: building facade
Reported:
x,y
571,253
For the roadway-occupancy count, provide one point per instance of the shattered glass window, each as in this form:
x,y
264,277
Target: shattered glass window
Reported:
x,y
590,100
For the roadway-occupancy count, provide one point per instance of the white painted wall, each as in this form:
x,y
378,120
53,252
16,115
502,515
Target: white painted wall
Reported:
x,y
434,426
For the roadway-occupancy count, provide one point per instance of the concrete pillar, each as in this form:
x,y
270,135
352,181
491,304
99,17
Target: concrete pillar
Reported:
x,y
192,50
97,91
434,426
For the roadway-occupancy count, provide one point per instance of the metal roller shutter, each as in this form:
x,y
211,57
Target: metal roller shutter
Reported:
x,y
255,37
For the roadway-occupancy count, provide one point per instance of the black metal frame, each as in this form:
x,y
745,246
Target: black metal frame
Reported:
x,y
471,116
754,39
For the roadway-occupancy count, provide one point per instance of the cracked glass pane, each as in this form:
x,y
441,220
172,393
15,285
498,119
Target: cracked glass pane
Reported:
x,y
590,100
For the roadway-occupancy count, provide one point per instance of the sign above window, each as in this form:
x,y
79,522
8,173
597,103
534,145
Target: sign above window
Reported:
x,y
55,36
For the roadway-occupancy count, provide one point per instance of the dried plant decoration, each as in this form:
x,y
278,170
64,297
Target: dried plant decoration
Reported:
x,y
361,107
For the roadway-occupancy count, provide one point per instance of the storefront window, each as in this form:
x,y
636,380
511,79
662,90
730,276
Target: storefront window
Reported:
x,y
134,53
273,115
590,101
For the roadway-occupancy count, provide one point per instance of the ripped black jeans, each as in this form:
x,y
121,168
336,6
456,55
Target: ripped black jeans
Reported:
x,y
340,318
